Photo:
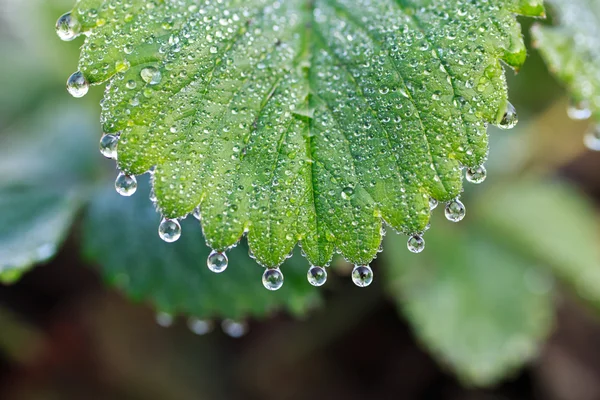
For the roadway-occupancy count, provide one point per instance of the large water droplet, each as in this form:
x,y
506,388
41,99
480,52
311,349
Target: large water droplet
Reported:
x,y
455,211
510,118
217,262
126,185
416,244
592,139
317,276
579,110
362,275
151,75
234,329
169,230
77,85
199,326
67,27
108,146
272,279
476,175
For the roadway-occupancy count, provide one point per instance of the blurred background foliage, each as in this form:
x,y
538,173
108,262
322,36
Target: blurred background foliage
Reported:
x,y
504,305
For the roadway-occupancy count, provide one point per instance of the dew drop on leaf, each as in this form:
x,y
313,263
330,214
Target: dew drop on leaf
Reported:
x,y
510,118
67,27
579,110
455,211
362,275
592,139
217,261
433,203
126,185
317,276
151,75
347,193
77,85
108,146
169,230
272,279
476,175
416,244
197,214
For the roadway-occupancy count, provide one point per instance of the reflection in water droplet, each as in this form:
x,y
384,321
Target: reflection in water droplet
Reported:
x,y
416,244
151,75
272,279
234,329
510,118
476,175
592,139
169,230
126,185
77,85
579,110
199,326
108,146
217,262
362,275
455,211
164,319
317,276
67,27
347,193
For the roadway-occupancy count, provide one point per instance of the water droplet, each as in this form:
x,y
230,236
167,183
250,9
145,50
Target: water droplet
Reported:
x,y
126,185
199,326
217,262
317,276
455,211
579,110
164,319
77,85
169,230
272,279
151,75
433,203
510,118
416,244
67,27
362,275
234,329
197,213
592,139
347,193
476,175
108,146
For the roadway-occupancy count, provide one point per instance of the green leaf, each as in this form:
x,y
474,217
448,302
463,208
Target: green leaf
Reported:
x,y
572,50
551,223
476,306
296,120
43,183
120,235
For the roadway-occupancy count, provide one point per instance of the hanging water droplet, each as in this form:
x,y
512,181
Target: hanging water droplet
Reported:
x,y
77,85
272,279
67,27
433,203
169,230
416,244
579,110
362,275
126,185
217,261
476,175
592,139
234,329
199,326
510,118
317,276
197,214
108,146
164,319
151,75
455,211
